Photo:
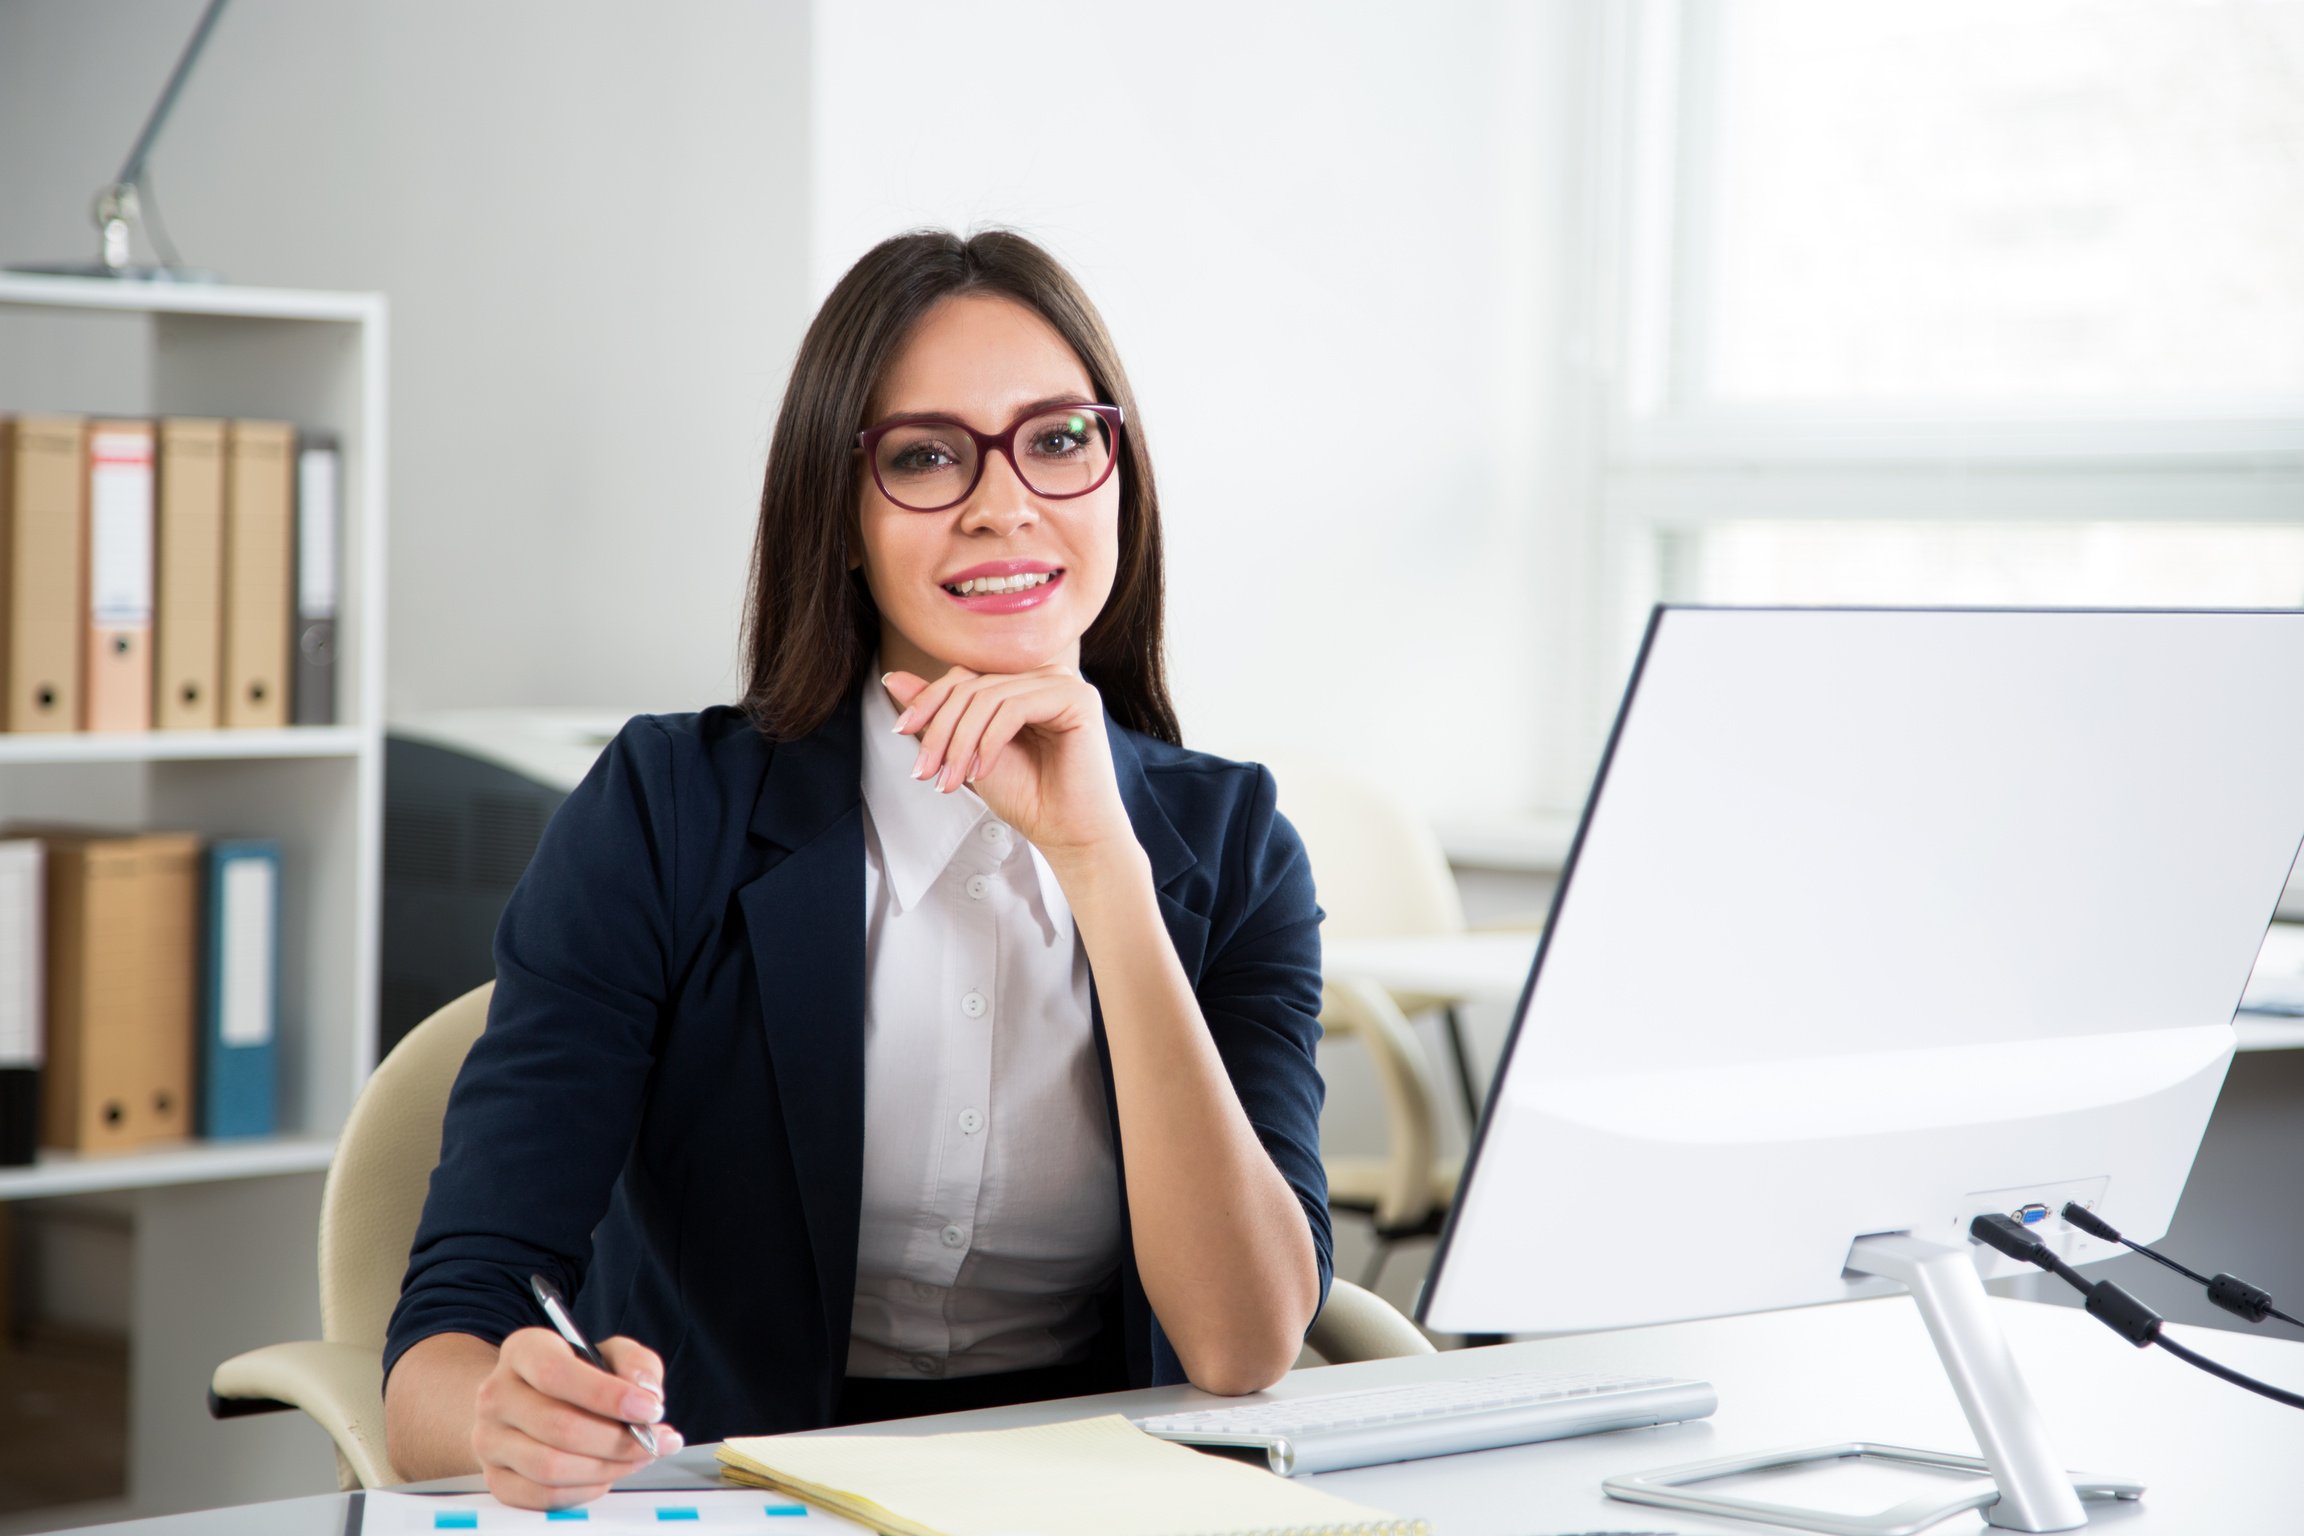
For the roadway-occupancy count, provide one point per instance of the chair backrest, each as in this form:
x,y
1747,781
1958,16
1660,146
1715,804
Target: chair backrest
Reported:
x,y
383,1166
1378,866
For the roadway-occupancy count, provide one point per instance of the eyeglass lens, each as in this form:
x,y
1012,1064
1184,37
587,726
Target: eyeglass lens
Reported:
x,y
929,465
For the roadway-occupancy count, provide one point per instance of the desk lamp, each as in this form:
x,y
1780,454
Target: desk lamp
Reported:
x,y
118,205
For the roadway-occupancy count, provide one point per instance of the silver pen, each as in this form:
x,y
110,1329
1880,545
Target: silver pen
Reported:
x,y
555,1308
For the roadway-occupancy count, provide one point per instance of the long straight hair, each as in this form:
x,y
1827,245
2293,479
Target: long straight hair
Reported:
x,y
811,626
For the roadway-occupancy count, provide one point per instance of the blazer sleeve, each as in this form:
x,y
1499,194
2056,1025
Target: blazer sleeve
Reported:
x,y
1260,993
545,1111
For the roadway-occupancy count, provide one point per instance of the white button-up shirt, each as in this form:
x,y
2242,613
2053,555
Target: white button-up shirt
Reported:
x,y
991,1204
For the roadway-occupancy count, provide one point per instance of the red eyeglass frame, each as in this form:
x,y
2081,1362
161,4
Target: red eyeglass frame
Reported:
x,y
989,443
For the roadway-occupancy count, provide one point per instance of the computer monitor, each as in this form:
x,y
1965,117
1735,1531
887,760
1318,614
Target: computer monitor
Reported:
x,y
1879,920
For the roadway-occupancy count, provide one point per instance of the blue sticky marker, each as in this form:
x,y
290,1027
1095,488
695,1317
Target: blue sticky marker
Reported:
x,y
456,1520
678,1512
567,1514
786,1509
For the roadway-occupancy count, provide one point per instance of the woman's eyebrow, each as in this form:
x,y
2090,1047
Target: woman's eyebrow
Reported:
x,y
1069,397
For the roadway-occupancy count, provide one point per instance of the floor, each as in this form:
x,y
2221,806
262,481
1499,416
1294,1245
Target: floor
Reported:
x,y
63,1420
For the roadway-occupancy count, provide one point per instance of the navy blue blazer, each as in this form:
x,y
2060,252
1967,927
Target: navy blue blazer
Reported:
x,y
665,1113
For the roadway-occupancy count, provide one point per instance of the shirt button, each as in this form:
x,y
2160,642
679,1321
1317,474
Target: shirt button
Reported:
x,y
925,1365
954,1236
974,1006
994,832
979,886
971,1120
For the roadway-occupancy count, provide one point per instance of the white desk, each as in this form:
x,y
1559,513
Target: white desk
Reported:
x,y
1493,967
2214,1458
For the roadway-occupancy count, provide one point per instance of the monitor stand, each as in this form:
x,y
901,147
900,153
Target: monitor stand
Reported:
x,y
2028,1488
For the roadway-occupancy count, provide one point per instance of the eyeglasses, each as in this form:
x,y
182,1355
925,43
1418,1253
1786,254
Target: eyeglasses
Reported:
x,y
928,463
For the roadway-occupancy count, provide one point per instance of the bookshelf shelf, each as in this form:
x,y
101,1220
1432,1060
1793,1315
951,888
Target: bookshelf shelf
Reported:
x,y
181,746
189,1162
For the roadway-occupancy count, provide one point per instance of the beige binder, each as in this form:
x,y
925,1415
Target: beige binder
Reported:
x,y
43,571
259,503
123,976
118,692
188,609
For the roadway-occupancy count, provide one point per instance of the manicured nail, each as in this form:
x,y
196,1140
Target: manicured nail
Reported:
x,y
647,1383
640,1408
975,767
920,764
669,1440
903,722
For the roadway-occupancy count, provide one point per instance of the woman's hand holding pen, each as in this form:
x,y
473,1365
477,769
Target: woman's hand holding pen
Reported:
x,y
551,1431
1032,744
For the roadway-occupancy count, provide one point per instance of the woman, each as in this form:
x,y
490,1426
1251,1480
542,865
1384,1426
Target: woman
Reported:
x,y
795,1074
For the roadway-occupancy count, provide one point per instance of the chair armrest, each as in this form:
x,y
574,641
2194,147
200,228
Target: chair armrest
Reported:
x,y
1358,1324
341,1386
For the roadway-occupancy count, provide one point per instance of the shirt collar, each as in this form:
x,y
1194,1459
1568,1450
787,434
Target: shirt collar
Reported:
x,y
920,830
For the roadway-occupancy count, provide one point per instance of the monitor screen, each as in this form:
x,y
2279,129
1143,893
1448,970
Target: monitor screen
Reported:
x,y
1878,920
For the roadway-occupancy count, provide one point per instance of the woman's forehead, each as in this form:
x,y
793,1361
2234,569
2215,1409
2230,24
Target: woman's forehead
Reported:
x,y
982,358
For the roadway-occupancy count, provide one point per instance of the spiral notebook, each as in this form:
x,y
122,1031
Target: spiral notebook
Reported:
x,y
1103,1475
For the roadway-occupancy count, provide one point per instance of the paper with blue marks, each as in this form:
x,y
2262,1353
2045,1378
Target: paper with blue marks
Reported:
x,y
726,1510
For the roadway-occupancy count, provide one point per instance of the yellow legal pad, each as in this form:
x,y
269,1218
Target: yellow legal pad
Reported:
x,y
1094,1477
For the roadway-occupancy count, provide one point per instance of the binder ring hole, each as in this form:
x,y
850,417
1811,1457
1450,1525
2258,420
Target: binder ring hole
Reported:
x,y
119,645
47,697
114,1114
191,693
256,693
164,1102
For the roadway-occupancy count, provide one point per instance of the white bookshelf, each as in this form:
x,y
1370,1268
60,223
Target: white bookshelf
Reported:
x,y
224,1233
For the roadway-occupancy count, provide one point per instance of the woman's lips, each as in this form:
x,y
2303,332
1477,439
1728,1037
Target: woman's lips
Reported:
x,y
1006,602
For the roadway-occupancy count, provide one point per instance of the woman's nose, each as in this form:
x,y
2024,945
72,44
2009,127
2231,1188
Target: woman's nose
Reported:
x,y
1001,501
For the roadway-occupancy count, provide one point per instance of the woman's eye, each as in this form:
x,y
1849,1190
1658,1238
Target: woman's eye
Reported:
x,y
1058,443
920,457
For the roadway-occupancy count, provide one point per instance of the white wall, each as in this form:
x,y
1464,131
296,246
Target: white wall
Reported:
x,y
590,220
1358,219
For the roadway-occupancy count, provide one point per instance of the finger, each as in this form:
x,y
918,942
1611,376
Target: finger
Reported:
x,y
936,734
903,687
1006,723
960,746
544,1361
606,1446
635,1362
924,703
509,1487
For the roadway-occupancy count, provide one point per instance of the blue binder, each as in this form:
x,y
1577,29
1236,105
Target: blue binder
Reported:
x,y
240,989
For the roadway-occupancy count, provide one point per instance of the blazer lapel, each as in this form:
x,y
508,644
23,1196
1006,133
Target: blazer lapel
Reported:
x,y
804,919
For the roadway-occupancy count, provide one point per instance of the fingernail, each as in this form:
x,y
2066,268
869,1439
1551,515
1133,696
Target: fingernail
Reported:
x,y
975,767
903,722
639,1408
647,1383
884,678
669,1440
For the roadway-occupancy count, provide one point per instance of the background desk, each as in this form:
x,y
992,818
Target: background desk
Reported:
x,y
2214,1458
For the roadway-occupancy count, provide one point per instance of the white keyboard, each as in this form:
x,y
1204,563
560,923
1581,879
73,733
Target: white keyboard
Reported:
x,y
1436,1418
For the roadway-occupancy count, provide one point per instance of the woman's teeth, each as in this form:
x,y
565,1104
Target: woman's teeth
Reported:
x,y
1001,583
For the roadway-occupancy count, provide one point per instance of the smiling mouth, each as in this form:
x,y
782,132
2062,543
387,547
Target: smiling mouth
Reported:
x,y
985,586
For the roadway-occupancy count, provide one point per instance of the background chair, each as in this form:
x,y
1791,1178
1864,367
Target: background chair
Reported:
x,y
368,1212
1381,873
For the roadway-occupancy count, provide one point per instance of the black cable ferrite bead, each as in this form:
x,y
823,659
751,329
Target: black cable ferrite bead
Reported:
x,y
2089,1222
2123,1313
2237,1296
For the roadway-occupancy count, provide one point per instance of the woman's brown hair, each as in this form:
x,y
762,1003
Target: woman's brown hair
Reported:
x,y
811,626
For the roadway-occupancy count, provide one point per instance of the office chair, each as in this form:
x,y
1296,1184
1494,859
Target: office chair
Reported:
x,y
369,1208
368,1213
1406,1191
